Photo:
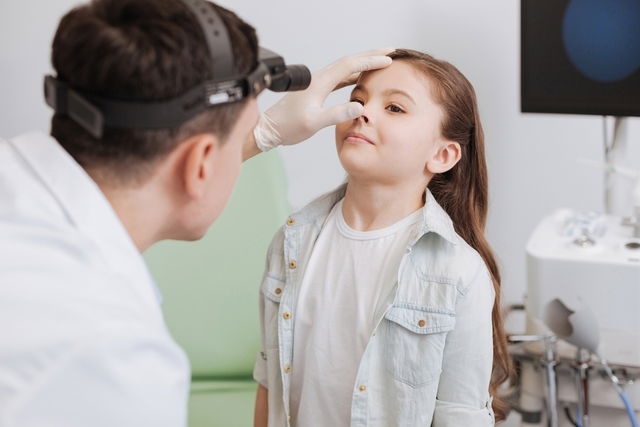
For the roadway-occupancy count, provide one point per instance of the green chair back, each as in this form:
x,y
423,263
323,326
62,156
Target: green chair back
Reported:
x,y
210,287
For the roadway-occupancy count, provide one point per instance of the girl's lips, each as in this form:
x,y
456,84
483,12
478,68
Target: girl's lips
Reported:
x,y
358,138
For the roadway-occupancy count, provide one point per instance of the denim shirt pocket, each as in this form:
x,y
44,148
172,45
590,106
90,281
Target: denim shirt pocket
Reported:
x,y
272,290
414,343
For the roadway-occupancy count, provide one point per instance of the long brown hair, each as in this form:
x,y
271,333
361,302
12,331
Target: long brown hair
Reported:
x,y
463,190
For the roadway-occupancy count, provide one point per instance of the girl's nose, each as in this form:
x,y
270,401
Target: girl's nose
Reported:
x,y
364,117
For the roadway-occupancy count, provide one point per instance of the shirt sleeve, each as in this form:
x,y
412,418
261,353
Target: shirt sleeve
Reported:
x,y
274,263
122,376
260,368
463,392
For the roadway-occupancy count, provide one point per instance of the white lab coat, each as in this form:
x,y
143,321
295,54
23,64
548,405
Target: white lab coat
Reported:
x,y
82,337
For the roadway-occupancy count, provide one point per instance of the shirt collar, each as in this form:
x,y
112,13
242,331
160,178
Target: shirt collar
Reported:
x,y
434,218
87,209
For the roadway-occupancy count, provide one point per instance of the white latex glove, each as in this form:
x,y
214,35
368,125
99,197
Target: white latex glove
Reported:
x,y
299,115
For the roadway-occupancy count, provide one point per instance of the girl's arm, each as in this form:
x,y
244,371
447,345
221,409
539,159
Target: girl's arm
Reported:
x,y
463,392
261,416
260,374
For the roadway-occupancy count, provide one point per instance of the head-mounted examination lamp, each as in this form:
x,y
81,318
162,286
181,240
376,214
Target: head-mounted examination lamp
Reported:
x,y
94,113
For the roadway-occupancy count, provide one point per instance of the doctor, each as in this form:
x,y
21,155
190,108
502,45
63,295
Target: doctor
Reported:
x,y
82,337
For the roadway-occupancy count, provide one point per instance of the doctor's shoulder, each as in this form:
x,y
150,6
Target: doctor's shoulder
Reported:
x,y
54,280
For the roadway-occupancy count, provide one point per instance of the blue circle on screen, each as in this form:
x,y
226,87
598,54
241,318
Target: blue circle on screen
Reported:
x,y
602,38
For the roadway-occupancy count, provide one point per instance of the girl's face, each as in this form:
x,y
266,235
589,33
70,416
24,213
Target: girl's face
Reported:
x,y
399,131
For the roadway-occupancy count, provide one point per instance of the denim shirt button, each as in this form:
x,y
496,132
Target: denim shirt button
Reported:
x,y
362,388
421,323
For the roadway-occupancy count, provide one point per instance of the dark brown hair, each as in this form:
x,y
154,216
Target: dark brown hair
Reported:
x,y
142,50
463,190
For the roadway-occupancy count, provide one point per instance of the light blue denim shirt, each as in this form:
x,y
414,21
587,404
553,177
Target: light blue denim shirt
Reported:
x,y
429,359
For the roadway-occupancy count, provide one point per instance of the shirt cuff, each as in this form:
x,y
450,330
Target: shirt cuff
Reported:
x,y
260,369
449,414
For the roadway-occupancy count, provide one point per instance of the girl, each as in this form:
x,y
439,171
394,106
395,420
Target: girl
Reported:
x,y
380,301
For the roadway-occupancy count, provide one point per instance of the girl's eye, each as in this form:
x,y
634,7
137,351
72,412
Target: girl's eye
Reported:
x,y
359,101
395,109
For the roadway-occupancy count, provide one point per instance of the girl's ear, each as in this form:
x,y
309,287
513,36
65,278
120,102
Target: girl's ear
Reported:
x,y
445,157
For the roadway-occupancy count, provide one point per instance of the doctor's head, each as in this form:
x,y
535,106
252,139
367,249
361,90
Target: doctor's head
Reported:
x,y
155,50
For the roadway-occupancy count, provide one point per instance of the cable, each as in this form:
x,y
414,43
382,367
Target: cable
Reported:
x,y
585,392
567,412
578,418
616,384
629,408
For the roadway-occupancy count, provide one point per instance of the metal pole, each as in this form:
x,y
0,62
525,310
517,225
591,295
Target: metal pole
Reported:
x,y
549,361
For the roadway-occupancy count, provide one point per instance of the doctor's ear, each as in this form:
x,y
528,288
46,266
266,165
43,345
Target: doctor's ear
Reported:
x,y
196,166
445,157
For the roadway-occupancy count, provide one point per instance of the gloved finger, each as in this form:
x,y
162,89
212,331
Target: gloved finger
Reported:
x,y
351,80
326,80
338,114
377,52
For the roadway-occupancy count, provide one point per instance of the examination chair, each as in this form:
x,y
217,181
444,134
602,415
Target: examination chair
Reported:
x,y
210,294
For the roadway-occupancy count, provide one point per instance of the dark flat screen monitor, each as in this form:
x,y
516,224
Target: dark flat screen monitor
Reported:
x,y
580,57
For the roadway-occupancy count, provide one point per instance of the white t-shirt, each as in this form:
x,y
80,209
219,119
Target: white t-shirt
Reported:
x,y
349,278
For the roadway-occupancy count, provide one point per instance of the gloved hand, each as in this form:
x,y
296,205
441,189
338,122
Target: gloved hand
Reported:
x,y
299,115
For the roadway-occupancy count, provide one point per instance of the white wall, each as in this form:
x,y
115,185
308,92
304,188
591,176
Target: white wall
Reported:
x,y
532,157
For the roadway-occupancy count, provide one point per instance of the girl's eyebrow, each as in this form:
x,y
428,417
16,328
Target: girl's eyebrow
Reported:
x,y
387,92
399,92
359,88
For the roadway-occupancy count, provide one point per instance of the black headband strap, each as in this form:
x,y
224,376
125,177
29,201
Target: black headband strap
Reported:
x,y
217,37
95,112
